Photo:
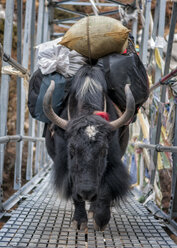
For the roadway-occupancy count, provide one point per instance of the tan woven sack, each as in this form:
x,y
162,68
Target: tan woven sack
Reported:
x,y
96,36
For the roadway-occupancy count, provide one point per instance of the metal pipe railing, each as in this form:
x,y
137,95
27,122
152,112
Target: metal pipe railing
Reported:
x,y
165,79
19,138
31,130
158,147
167,75
151,159
24,43
116,3
4,91
8,59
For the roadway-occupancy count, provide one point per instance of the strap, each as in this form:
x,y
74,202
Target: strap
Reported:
x,y
119,112
88,42
106,64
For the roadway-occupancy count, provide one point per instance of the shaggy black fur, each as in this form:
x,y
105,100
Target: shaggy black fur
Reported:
x,y
84,99
87,156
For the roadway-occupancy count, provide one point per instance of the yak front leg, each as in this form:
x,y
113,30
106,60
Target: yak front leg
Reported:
x,y
79,220
101,215
92,209
102,212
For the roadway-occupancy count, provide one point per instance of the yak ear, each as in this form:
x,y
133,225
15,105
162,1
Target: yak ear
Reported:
x,y
111,133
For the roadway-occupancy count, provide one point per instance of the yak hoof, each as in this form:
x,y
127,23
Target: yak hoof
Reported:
x,y
98,228
79,226
90,215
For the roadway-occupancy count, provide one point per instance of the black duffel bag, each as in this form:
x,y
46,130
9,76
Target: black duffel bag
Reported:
x,y
122,69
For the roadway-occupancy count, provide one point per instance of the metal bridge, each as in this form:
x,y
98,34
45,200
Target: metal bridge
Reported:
x,y
43,220
35,216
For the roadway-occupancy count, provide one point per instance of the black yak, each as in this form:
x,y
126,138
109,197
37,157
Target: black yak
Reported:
x,y
86,143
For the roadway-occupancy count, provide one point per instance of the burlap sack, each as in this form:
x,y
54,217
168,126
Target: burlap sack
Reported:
x,y
96,36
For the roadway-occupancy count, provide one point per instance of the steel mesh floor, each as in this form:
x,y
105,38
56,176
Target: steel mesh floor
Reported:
x,y
43,220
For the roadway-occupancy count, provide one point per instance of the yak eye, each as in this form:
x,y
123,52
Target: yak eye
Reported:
x,y
72,151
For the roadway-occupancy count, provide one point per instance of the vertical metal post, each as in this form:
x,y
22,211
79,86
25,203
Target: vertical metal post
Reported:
x,y
38,147
46,37
143,50
40,23
42,155
134,28
170,44
4,92
160,35
46,22
141,172
39,39
173,204
21,96
19,33
33,32
31,132
153,130
154,31
167,64
46,160
51,17
19,81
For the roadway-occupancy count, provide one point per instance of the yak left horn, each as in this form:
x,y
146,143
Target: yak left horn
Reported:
x,y
129,111
48,110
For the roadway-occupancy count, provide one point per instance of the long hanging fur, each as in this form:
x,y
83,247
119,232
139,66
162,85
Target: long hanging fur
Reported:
x,y
88,86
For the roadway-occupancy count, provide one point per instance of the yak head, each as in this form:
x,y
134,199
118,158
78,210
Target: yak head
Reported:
x,y
88,141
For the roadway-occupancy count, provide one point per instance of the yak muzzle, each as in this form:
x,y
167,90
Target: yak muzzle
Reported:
x,y
86,194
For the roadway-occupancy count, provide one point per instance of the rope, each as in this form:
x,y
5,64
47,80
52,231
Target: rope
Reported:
x,y
132,46
88,42
9,70
69,116
94,8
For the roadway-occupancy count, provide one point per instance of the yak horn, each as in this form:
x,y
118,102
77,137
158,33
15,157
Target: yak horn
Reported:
x,y
48,110
129,112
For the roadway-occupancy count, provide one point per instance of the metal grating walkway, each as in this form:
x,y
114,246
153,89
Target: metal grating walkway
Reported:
x,y
43,220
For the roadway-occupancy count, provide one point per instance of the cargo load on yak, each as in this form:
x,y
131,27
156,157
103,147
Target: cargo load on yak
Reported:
x,y
96,36
54,62
122,69
119,62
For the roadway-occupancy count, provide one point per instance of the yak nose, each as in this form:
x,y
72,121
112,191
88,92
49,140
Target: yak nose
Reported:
x,y
87,195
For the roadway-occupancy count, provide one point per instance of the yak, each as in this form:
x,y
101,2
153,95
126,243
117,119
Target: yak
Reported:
x,y
86,142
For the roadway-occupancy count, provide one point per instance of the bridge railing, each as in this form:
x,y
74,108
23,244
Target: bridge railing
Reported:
x,y
27,129
33,35
151,139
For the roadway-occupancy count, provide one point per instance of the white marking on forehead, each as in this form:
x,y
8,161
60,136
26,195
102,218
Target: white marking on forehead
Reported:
x,y
91,131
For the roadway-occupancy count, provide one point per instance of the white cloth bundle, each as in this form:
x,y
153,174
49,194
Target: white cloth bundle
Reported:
x,y
52,57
